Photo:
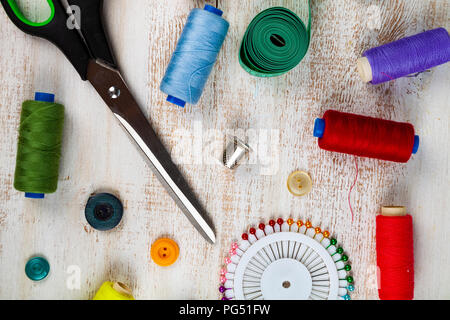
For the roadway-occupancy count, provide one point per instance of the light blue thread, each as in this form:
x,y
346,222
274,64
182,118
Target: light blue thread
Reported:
x,y
194,56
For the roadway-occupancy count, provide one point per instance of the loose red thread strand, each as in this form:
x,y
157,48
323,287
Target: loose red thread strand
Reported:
x,y
387,75
351,188
395,257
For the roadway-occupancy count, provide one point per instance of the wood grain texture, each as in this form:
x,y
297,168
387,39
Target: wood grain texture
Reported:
x,y
277,116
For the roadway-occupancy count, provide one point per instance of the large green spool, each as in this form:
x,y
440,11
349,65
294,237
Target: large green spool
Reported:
x,y
275,42
39,146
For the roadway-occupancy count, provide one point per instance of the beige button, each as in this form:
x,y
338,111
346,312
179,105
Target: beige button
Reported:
x,y
299,183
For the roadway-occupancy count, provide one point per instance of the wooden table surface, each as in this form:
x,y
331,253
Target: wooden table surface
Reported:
x,y
275,114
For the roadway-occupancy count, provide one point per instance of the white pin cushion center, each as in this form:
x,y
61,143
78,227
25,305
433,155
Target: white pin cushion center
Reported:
x,y
286,279
281,279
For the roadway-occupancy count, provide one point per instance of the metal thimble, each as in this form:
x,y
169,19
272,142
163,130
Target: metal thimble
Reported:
x,y
235,151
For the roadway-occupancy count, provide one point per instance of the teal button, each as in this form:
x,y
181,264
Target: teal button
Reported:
x,y
37,268
103,211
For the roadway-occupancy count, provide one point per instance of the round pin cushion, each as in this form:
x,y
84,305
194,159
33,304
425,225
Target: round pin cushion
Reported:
x,y
283,261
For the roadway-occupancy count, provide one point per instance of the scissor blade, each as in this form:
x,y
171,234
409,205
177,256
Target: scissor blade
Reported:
x,y
111,87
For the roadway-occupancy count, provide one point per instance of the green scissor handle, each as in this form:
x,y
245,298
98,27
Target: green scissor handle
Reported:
x,y
15,8
54,30
93,44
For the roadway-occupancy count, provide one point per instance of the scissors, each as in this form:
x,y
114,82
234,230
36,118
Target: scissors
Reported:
x,y
86,46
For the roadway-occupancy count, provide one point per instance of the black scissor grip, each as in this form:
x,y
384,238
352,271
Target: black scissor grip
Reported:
x,y
92,29
56,31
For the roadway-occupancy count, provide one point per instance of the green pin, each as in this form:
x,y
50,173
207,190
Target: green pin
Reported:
x,y
343,258
346,268
338,250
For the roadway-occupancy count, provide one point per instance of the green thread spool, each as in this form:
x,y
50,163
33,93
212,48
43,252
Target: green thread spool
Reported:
x,y
39,146
275,42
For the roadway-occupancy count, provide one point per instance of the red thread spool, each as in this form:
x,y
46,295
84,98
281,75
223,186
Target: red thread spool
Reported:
x,y
366,137
395,254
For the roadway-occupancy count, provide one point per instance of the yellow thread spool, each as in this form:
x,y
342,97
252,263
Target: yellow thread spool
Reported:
x,y
113,291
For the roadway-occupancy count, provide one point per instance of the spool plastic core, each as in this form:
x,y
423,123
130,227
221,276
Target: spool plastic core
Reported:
x,y
213,10
416,144
364,69
393,211
319,128
176,101
44,97
122,288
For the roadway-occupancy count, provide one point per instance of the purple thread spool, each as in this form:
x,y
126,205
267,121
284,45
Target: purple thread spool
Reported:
x,y
405,56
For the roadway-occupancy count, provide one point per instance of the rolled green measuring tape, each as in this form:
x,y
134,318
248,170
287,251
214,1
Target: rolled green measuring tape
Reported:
x,y
275,42
39,146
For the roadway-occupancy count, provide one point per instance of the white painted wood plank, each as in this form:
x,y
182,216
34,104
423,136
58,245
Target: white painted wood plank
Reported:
x,y
97,155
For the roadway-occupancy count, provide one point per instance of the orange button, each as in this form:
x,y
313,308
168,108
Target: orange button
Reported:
x,y
164,252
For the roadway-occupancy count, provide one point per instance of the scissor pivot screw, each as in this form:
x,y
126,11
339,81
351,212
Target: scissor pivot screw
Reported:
x,y
114,92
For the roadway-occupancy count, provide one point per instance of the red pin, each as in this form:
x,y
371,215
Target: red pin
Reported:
x,y
262,227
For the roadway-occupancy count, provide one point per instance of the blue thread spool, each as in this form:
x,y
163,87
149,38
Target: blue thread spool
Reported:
x,y
103,211
319,130
44,97
194,56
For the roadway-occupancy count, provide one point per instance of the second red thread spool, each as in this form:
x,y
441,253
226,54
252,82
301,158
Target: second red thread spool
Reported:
x,y
395,254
